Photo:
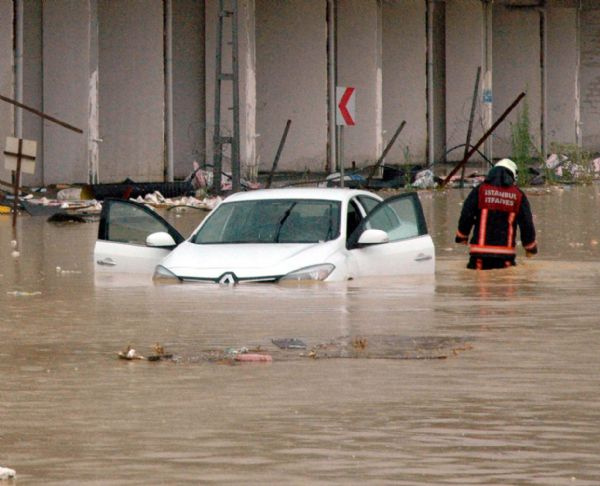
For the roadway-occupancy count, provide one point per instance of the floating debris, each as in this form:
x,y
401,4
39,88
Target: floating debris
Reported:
x,y
289,343
129,354
7,473
19,293
254,358
159,354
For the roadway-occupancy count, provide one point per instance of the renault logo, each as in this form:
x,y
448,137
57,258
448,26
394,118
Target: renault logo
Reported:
x,y
228,279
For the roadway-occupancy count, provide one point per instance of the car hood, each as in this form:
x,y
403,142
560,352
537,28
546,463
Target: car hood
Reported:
x,y
244,260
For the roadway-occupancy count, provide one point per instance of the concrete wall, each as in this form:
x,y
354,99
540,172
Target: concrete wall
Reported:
x,y
561,74
65,88
404,79
516,68
6,78
32,84
359,65
131,68
188,85
464,54
291,81
590,78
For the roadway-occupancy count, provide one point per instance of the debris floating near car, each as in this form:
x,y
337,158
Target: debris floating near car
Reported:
x,y
7,473
289,343
346,347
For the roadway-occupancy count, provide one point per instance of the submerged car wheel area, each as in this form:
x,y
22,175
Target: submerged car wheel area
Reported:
x,y
272,235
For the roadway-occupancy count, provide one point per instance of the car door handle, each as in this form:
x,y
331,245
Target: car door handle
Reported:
x,y
421,257
109,262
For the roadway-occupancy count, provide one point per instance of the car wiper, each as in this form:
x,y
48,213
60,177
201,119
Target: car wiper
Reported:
x,y
282,220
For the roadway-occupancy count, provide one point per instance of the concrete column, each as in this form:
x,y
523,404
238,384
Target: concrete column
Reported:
x,y
66,57
131,90
247,82
562,75
359,61
6,77
189,97
32,85
590,76
464,54
405,79
291,60
517,68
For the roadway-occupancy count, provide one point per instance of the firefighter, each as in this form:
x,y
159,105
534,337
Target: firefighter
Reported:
x,y
493,210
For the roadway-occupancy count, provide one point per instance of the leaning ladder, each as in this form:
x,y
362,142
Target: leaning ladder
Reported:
x,y
219,141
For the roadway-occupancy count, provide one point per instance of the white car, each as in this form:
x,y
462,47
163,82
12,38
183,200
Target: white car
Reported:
x,y
272,235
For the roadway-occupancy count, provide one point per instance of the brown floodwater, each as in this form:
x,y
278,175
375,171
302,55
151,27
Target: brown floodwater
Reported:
x,y
515,401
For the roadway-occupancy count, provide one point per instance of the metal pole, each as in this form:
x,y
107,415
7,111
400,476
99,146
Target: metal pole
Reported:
x,y
482,139
332,83
471,117
19,67
385,151
17,183
169,87
341,155
217,147
278,154
430,123
235,145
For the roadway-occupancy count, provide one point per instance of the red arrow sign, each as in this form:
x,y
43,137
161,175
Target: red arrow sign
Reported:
x,y
345,106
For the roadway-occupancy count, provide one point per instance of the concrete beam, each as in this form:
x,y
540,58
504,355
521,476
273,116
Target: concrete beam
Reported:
x,y
6,77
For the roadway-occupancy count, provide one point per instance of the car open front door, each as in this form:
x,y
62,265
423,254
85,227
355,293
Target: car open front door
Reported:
x,y
408,248
121,245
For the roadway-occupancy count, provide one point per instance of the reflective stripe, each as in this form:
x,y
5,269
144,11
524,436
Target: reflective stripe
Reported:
x,y
483,226
460,235
511,220
530,246
497,250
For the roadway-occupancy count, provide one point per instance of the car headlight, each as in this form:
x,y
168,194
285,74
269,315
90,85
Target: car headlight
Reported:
x,y
164,275
314,272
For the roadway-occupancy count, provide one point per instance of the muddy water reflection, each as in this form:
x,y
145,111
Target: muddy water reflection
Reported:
x,y
521,407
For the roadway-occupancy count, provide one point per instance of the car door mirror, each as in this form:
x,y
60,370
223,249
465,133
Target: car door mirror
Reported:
x,y
160,239
373,237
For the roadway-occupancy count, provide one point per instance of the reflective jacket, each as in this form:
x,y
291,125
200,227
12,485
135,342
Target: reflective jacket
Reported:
x,y
495,212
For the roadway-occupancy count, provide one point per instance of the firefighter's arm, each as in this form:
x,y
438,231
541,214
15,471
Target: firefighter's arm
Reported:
x,y
527,229
467,217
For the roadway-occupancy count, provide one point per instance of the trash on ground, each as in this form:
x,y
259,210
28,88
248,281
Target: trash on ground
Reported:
x,y
156,199
19,293
7,473
390,347
424,180
289,343
159,354
130,354
253,358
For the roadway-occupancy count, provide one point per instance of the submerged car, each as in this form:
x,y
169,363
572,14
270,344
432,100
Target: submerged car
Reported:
x,y
272,235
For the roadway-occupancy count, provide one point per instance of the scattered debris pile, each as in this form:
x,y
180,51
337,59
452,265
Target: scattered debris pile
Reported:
x,y
289,349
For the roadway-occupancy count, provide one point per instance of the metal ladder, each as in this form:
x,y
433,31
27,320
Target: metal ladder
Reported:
x,y
231,15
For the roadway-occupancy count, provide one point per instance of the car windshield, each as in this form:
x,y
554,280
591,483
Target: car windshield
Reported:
x,y
271,221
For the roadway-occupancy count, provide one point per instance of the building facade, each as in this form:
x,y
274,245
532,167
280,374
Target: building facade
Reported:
x,y
138,77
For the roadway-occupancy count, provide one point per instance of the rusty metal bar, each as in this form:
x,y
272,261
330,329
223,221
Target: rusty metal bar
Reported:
x,y
385,151
470,128
41,114
482,139
278,154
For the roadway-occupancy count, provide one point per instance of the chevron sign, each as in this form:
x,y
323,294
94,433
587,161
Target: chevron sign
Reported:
x,y
345,102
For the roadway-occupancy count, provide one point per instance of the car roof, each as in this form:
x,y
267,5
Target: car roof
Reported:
x,y
327,193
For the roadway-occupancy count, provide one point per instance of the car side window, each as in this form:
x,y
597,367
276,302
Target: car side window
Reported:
x,y
126,223
369,203
400,218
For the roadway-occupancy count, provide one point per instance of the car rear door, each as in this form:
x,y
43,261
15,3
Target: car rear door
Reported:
x,y
121,244
410,249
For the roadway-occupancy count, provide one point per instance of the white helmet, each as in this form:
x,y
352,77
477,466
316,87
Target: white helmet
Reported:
x,y
510,165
